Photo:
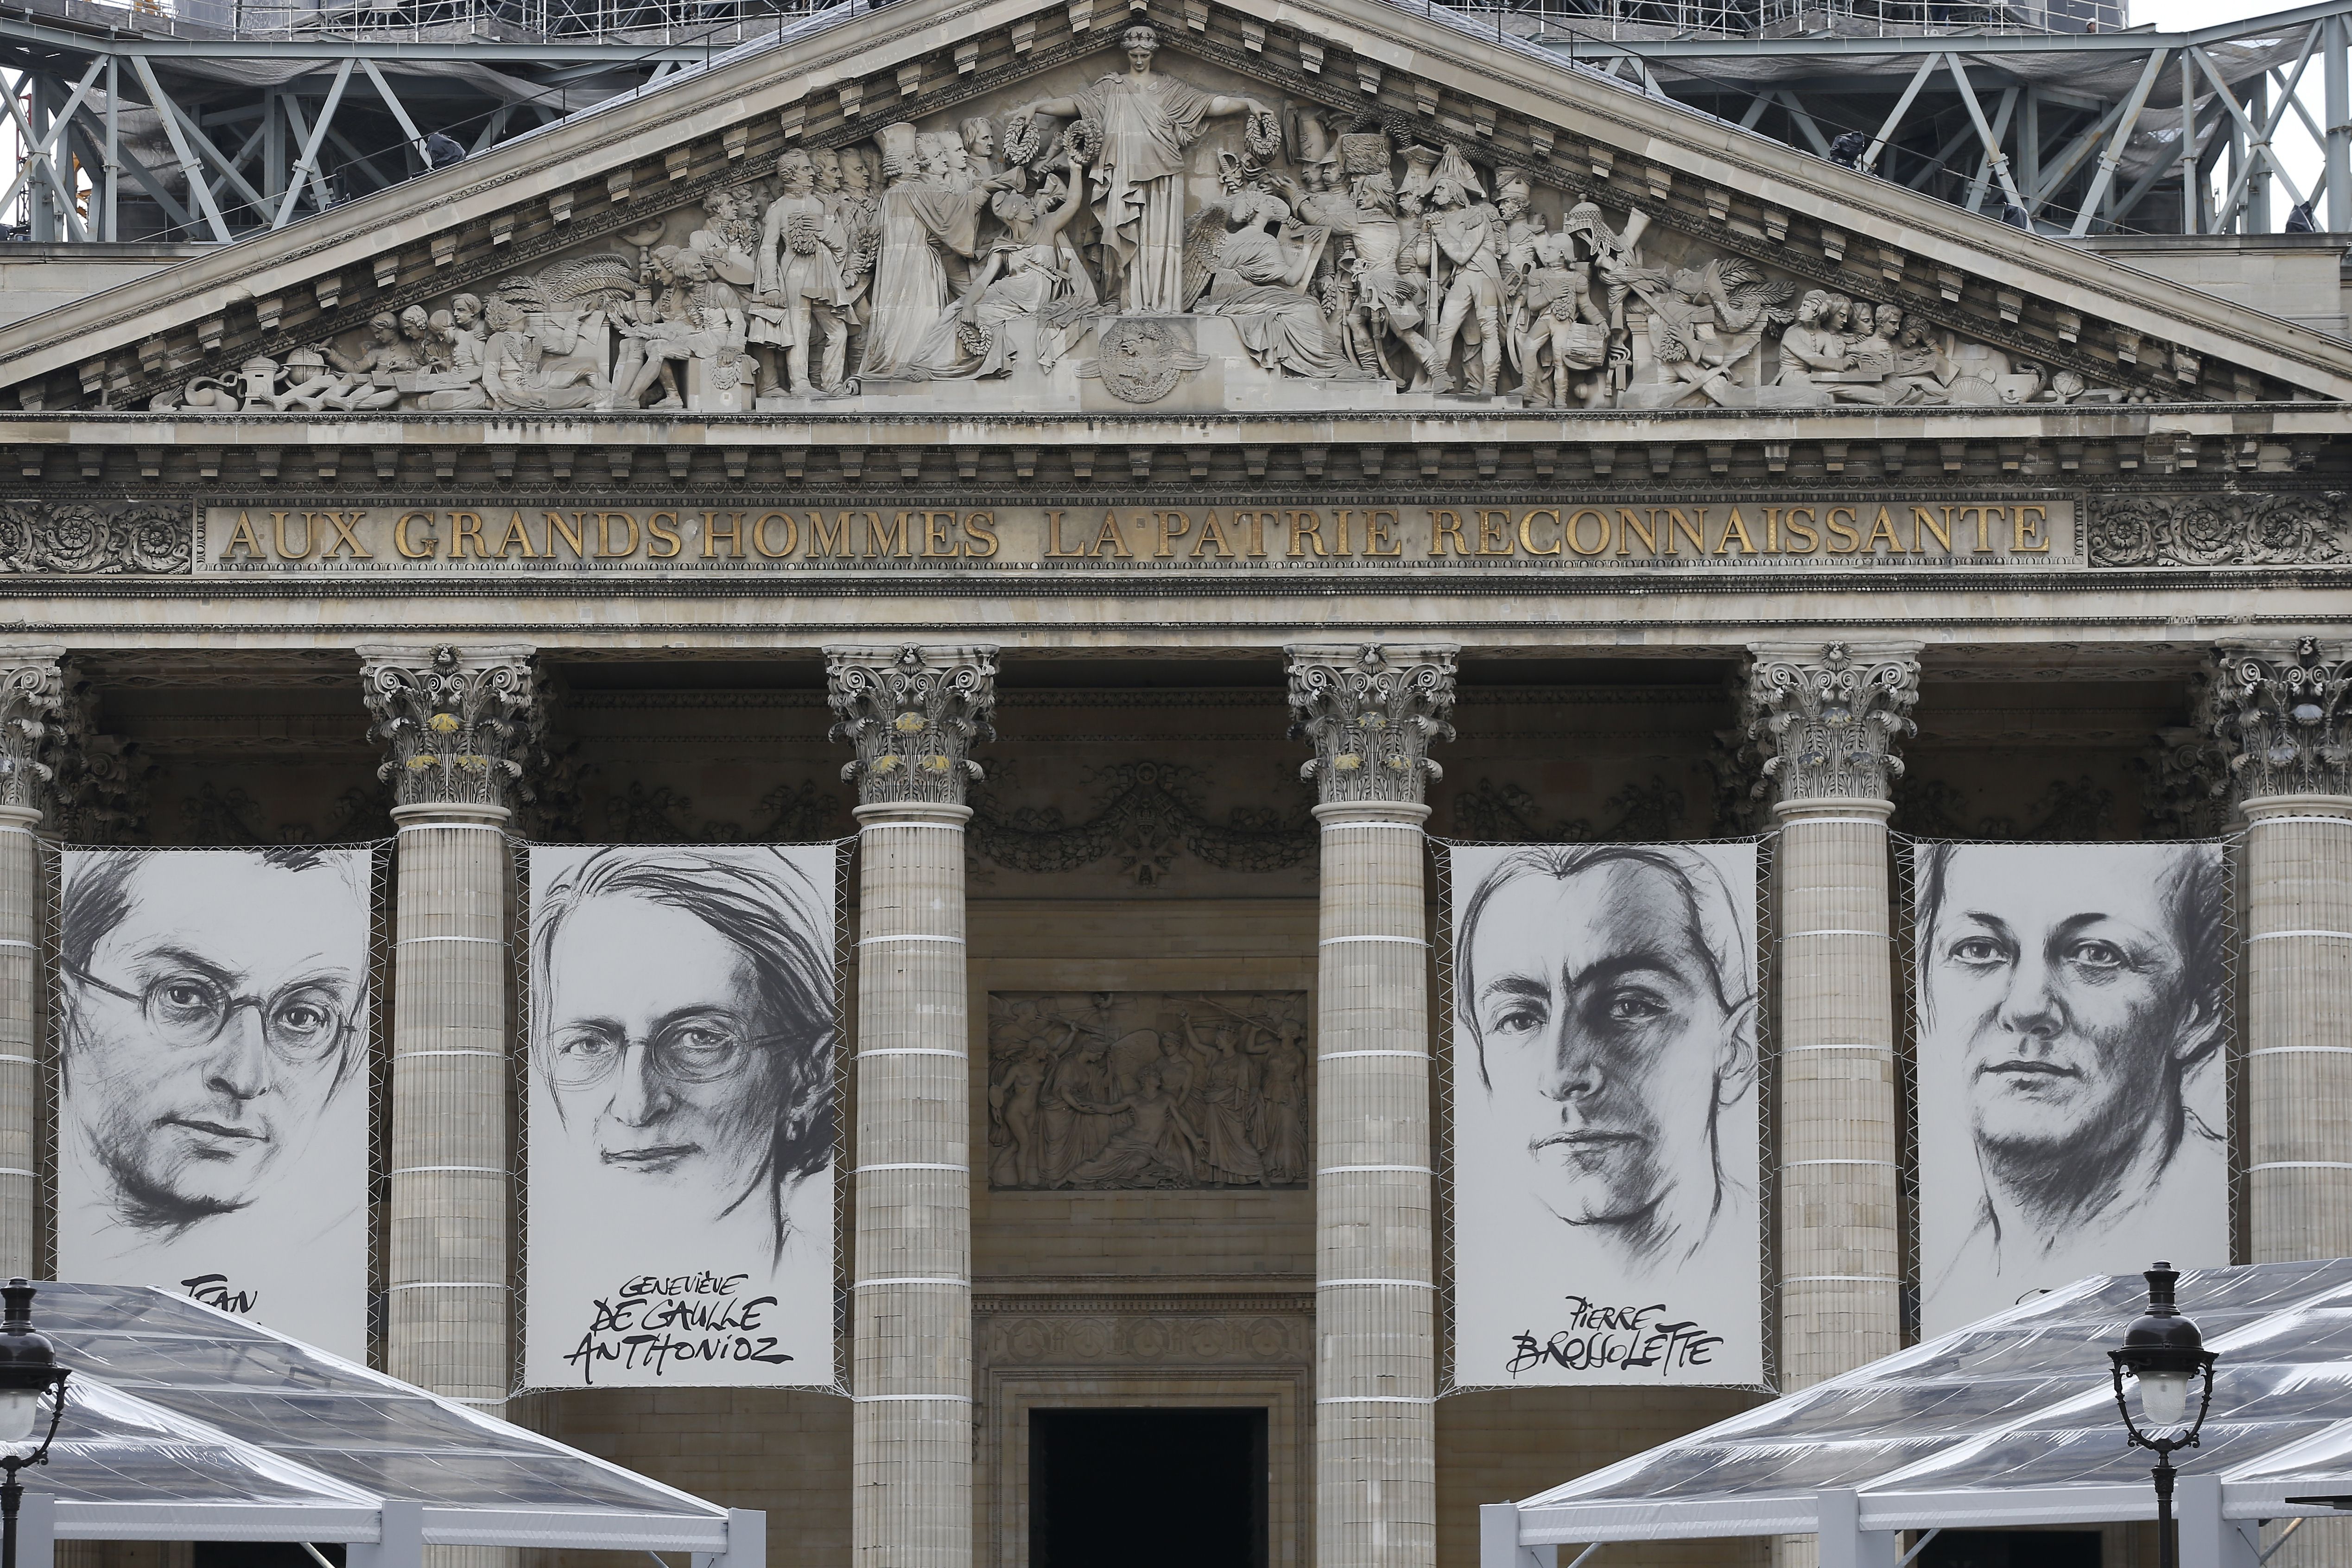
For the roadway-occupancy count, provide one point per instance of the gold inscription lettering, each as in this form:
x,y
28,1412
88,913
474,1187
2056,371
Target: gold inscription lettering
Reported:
x,y
242,535
656,535
2031,540
412,550
1527,534
1443,526
792,534
981,526
1378,538
1170,526
278,527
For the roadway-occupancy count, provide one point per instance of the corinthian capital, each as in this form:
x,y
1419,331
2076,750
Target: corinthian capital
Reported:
x,y
914,715
1372,711
32,691
2282,710
452,721
1826,719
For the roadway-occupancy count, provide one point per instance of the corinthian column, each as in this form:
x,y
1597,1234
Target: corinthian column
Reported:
x,y
1826,720
913,714
2282,713
32,690
450,719
1370,714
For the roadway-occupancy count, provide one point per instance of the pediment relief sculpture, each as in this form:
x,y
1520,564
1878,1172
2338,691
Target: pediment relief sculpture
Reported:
x,y
1164,232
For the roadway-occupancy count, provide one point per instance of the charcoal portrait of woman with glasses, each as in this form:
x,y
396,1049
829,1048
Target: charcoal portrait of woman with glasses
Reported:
x,y
681,1115
212,1128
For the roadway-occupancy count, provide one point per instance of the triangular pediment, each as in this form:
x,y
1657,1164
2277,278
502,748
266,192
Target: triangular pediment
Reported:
x,y
1734,230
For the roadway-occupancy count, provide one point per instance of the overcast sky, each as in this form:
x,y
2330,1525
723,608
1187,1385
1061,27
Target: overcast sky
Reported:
x,y
2294,145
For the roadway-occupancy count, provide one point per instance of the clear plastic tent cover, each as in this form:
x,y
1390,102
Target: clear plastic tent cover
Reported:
x,y
2011,1420
174,1406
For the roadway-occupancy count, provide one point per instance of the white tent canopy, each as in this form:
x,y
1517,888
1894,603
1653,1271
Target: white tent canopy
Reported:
x,y
186,1423
2010,1422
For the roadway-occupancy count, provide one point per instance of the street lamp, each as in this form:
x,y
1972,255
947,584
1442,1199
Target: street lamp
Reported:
x,y
2164,1354
28,1368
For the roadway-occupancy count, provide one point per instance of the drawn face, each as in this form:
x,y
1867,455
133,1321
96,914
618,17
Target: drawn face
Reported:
x,y
1604,1039
656,1049
202,1050
2064,994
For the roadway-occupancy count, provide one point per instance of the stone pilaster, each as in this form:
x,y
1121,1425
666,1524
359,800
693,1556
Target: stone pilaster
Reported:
x,y
1371,713
913,715
2282,713
32,693
452,721
1826,720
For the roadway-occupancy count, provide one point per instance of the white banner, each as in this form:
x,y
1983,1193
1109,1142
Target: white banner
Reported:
x,y
2072,1005
1606,1225
213,1017
682,1035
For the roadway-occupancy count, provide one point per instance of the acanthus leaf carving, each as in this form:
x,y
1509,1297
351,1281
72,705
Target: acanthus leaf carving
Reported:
x,y
454,723
1827,720
1371,713
913,714
1144,814
2220,530
2282,710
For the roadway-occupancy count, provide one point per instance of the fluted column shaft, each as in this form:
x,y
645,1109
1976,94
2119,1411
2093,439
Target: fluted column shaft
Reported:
x,y
449,720
911,1353
1371,713
2281,712
913,714
451,1187
2298,990
1841,1251
1376,1439
32,696
1825,720
20,1010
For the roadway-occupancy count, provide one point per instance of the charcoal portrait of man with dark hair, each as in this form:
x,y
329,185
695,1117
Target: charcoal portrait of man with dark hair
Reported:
x,y
1605,1074
2073,1011
212,1041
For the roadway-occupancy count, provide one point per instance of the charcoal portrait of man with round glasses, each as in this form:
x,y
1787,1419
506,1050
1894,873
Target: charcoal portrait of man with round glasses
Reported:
x,y
213,1018
681,1115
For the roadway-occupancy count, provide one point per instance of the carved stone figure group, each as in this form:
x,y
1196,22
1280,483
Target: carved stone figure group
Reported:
x,y
1140,1091
1340,247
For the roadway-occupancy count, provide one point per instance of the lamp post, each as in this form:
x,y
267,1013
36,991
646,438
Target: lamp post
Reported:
x,y
2164,1354
28,1368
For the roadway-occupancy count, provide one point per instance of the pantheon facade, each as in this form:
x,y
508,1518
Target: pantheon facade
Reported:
x,y
1138,472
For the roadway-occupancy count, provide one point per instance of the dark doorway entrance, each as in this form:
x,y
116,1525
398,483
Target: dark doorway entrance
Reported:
x,y
2014,1549
1147,1488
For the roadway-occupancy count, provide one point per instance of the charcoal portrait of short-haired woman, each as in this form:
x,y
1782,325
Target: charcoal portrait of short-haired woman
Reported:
x,y
2072,1007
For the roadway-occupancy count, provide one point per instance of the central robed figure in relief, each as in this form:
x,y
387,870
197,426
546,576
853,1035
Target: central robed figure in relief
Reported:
x,y
1149,122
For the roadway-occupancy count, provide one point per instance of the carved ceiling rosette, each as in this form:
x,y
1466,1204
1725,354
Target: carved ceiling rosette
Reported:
x,y
1371,713
2280,711
32,692
1827,720
453,722
914,715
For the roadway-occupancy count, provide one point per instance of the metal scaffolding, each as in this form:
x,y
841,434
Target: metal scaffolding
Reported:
x,y
227,116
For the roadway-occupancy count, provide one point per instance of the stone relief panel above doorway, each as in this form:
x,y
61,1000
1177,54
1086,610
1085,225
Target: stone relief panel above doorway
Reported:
x,y
1127,1091
1164,233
